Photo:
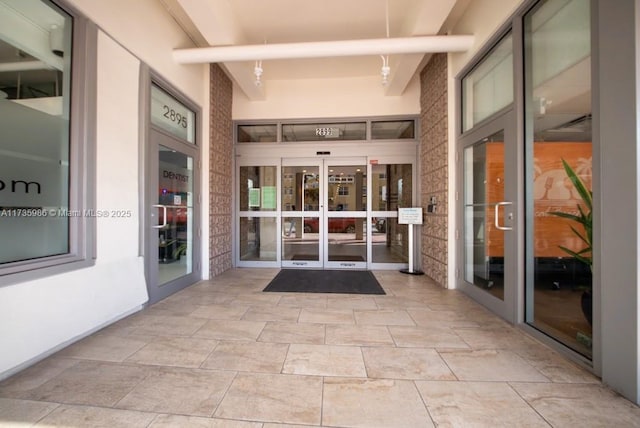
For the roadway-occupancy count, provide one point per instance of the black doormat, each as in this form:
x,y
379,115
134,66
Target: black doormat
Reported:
x,y
325,281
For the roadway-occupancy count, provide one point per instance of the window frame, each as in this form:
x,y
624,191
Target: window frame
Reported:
x,y
82,160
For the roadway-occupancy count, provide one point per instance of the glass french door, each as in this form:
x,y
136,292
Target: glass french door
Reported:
x,y
324,214
171,250
487,269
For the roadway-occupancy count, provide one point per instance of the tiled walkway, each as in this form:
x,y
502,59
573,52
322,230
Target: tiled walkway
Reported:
x,y
224,354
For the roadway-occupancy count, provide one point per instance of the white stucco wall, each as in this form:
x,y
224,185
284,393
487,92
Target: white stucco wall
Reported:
x,y
40,316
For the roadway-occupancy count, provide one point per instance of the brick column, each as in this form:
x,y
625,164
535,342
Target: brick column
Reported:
x,y
434,166
220,171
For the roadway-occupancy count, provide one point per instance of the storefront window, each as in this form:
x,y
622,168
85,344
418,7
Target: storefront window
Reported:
x,y
258,188
558,126
35,93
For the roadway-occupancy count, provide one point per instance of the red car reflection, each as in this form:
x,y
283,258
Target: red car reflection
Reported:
x,y
336,225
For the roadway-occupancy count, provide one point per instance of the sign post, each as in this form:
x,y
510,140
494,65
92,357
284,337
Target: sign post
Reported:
x,y
410,216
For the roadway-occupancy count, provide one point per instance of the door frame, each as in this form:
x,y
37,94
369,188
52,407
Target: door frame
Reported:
x,y
296,153
507,308
156,290
149,184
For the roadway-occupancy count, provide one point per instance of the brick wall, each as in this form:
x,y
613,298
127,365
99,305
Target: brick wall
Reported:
x,y
220,172
434,172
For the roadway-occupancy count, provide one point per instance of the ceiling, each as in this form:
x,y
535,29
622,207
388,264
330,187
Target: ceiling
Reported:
x,y
253,22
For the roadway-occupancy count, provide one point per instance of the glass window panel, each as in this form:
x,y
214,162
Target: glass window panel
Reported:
x,y
346,188
258,188
558,127
324,131
300,238
483,188
393,130
171,115
390,241
35,87
347,239
489,87
392,186
300,183
175,239
258,238
257,133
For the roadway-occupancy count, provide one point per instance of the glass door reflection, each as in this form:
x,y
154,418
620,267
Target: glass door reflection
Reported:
x,y
346,215
175,215
301,216
484,214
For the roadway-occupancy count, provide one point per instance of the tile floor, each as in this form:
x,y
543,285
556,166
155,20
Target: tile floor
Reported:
x,y
223,354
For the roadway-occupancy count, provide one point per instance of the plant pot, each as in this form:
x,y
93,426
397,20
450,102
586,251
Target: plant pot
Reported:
x,y
586,302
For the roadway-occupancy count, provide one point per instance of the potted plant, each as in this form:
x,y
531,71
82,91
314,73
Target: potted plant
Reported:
x,y
585,233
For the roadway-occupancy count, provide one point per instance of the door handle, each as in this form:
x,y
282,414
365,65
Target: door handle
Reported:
x,y
164,216
497,209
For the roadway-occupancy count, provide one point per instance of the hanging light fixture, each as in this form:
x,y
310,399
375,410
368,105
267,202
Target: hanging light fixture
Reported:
x,y
257,71
386,70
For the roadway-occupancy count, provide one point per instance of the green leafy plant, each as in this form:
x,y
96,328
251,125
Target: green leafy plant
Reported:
x,y
583,218
181,250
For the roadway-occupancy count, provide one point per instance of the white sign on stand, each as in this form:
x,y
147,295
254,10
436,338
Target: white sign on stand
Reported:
x,y
411,217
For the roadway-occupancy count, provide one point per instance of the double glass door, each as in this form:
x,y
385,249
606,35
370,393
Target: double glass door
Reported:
x,y
338,213
324,219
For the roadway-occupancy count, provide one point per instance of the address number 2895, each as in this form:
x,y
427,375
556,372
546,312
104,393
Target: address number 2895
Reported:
x,y
174,116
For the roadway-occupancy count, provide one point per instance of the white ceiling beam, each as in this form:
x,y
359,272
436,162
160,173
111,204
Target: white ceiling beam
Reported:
x,y
390,46
214,21
25,35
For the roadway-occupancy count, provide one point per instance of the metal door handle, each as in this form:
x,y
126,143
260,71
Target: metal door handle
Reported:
x,y
164,216
497,208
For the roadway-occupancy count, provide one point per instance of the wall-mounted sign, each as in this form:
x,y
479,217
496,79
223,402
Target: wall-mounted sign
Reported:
x,y
409,215
171,115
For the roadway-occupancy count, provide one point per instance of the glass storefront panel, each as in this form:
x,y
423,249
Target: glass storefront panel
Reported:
x,y
257,133
35,98
170,115
175,207
258,189
392,187
483,191
258,238
558,145
300,239
347,188
347,239
489,87
389,241
300,188
393,130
